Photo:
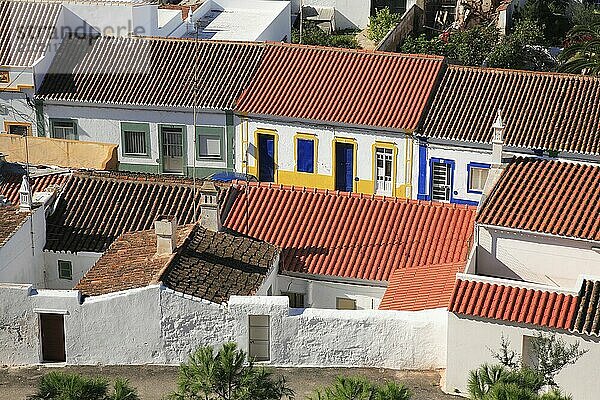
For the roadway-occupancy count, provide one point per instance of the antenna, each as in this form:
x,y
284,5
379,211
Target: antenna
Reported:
x,y
30,194
301,19
195,111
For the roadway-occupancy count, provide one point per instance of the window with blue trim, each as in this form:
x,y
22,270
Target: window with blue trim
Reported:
x,y
305,155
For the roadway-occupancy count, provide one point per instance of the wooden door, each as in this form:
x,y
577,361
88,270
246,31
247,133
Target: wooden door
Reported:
x,y
52,329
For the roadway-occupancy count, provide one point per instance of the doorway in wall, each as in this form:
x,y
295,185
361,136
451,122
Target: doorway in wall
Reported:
x,y
172,150
383,171
266,157
441,181
52,332
344,167
259,337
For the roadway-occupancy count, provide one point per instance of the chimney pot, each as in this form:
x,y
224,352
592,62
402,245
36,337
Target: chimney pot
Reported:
x,y
498,139
166,234
25,199
210,216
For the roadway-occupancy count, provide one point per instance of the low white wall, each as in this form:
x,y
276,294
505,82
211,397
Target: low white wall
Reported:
x,y
157,325
535,258
349,14
471,340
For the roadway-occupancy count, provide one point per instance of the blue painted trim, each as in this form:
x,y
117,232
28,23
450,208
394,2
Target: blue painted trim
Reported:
x,y
422,192
467,202
476,165
452,164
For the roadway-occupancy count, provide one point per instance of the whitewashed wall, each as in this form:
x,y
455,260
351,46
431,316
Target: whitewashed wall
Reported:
x,y
470,341
349,14
81,263
535,258
20,262
323,294
14,108
157,325
103,124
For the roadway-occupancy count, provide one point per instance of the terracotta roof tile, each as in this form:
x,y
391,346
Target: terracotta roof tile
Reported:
x,y
421,288
344,86
151,71
350,235
130,262
588,310
552,197
545,111
10,183
509,302
96,207
10,221
217,265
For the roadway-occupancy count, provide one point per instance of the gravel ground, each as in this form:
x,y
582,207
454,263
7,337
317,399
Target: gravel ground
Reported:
x,y
153,382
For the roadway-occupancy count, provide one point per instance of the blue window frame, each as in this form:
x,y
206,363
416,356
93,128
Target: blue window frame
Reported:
x,y
476,177
305,157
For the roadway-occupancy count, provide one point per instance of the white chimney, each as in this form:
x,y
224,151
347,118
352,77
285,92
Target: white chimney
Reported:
x,y
498,139
166,234
210,216
25,200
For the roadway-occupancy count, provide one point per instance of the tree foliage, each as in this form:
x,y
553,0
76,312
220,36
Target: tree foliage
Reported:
x,y
582,50
381,23
552,354
315,36
65,386
357,388
226,375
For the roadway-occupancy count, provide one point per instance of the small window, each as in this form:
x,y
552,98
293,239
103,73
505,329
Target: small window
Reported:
x,y
342,303
296,299
64,129
305,149
477,178
21,129
65,269
136,138
210,142
4,77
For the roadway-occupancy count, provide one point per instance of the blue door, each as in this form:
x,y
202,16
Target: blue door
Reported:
x,y
344,167
266,158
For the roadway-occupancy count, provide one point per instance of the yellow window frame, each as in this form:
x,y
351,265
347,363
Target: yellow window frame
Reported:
x,y
315,140
272,132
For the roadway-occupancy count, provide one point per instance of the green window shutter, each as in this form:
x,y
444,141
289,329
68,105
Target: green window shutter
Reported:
x,y
210,143
135,140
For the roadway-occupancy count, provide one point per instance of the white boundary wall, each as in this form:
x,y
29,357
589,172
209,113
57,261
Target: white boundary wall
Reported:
x,y
156,325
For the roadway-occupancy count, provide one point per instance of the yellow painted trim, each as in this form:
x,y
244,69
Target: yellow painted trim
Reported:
x,y
384,145
354,143
17,89
7,125
275,152
315,139
409,167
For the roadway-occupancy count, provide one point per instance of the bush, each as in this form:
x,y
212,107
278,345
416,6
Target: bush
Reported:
x,y
315,36
226,375
357,388
64,386
379,25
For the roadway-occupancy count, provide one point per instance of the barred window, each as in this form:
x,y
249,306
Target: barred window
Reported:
x,y
135,142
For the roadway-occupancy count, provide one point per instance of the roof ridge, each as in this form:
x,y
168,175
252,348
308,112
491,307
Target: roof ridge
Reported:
x,y
522,71
355,51
516,284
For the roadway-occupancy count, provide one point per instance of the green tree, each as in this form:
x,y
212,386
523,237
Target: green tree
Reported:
x,y
226,375
358,388
551,354
381,23
550,15
65,386
582,51
315,36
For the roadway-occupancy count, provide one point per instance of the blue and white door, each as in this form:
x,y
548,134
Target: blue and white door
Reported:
x,y
344,167
441,181
266,158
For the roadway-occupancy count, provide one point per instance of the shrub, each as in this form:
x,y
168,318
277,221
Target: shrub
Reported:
x,y
315,36
358,388
380,24
226,375
65,386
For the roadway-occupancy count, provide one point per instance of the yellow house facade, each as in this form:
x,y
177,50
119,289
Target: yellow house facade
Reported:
x,y
363,160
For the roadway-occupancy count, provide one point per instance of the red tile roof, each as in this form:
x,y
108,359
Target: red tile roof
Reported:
x,y
350,235
11,184
509,302
541,110
553,197
10,222
344,86
421,288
